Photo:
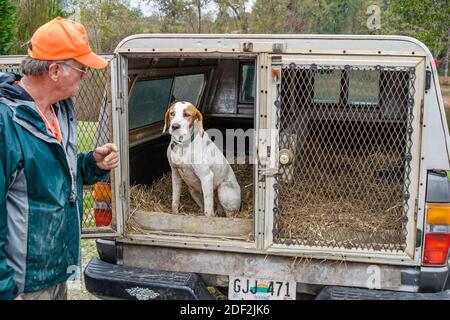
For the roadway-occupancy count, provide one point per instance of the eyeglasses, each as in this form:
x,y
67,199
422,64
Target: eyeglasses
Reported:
x,y
83,70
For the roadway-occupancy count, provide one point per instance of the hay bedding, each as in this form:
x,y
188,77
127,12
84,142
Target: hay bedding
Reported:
x,y
333,200
158,196
341,200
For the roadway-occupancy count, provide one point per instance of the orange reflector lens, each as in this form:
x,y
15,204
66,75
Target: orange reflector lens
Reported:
x,y
436,249
102,192
438,213
276,73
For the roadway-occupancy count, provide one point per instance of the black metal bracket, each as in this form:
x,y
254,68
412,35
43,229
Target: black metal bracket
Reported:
x,y
428,80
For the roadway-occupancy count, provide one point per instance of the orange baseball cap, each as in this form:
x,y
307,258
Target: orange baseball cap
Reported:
x,y
62,39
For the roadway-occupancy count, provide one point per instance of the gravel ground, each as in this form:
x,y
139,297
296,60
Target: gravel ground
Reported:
x,y
76,290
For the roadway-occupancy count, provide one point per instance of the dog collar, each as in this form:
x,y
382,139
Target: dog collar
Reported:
x,y
174,143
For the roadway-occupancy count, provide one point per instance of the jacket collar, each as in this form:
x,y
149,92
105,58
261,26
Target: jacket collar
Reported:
x,y
10,89
26,110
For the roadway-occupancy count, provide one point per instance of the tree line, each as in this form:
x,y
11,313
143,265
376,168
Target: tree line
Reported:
x,y
109,21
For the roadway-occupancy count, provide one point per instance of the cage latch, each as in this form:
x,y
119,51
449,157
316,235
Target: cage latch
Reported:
x,y
268,172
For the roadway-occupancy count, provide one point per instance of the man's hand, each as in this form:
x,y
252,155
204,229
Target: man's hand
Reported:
x,y
106,157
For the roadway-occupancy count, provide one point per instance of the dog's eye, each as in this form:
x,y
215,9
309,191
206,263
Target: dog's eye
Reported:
x,y
172,114
186,115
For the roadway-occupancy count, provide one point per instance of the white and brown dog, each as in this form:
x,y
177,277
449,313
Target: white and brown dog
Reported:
x,y
196,160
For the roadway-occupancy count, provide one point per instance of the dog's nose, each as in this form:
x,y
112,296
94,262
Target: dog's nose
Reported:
x,y
175,126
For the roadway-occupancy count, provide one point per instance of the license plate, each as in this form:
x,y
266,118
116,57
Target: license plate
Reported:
x,y
241,288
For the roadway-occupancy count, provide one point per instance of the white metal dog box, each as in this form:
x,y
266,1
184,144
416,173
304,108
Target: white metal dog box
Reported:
x,y
358,119
349,141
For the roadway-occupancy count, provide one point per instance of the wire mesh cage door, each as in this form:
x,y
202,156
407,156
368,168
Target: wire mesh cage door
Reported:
x,y
94,113
94,129
346,134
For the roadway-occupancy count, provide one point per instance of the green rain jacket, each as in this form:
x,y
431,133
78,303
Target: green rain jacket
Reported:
x,y
41,185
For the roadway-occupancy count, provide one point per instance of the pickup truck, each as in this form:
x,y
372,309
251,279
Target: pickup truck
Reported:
x,y
344,151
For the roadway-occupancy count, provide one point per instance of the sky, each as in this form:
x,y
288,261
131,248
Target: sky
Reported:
x,y
149,9
146,9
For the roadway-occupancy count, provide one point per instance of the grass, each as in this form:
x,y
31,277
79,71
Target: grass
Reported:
x,y
86,135
88,216
445,90
88,201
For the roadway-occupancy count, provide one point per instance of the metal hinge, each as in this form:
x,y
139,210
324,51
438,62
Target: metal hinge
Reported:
x,y
120,103
418,232
122,190
416,209
418,238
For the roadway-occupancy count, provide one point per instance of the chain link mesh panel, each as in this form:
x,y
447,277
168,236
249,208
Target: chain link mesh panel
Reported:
x,y
94,129
10,68
349,131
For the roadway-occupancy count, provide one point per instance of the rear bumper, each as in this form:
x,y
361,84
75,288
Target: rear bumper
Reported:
x,y
111,281
434,279
406,279
344,293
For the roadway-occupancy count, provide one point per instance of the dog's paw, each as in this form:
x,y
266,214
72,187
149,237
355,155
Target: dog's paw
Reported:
x,y
230,214
175,210
209,213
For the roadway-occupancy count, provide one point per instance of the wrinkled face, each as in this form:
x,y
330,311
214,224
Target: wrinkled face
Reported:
x,y
180,119
73,73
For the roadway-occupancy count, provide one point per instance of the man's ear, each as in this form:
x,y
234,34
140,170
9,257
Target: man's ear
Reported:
x,y
199,118
54,71
166,121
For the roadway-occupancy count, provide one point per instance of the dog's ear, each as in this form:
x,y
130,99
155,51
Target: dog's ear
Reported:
x,y
199,117
167,120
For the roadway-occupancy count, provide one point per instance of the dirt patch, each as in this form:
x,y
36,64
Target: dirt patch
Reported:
x,y
76,290
444,81
445,89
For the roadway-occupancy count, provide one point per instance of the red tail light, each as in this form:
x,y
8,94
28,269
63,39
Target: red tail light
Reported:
x,y
102,213
102,217
436,249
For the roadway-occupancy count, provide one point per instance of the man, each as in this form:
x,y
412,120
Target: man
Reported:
x,y
41,174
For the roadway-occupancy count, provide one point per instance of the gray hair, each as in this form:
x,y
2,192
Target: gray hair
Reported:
x,y
34,67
